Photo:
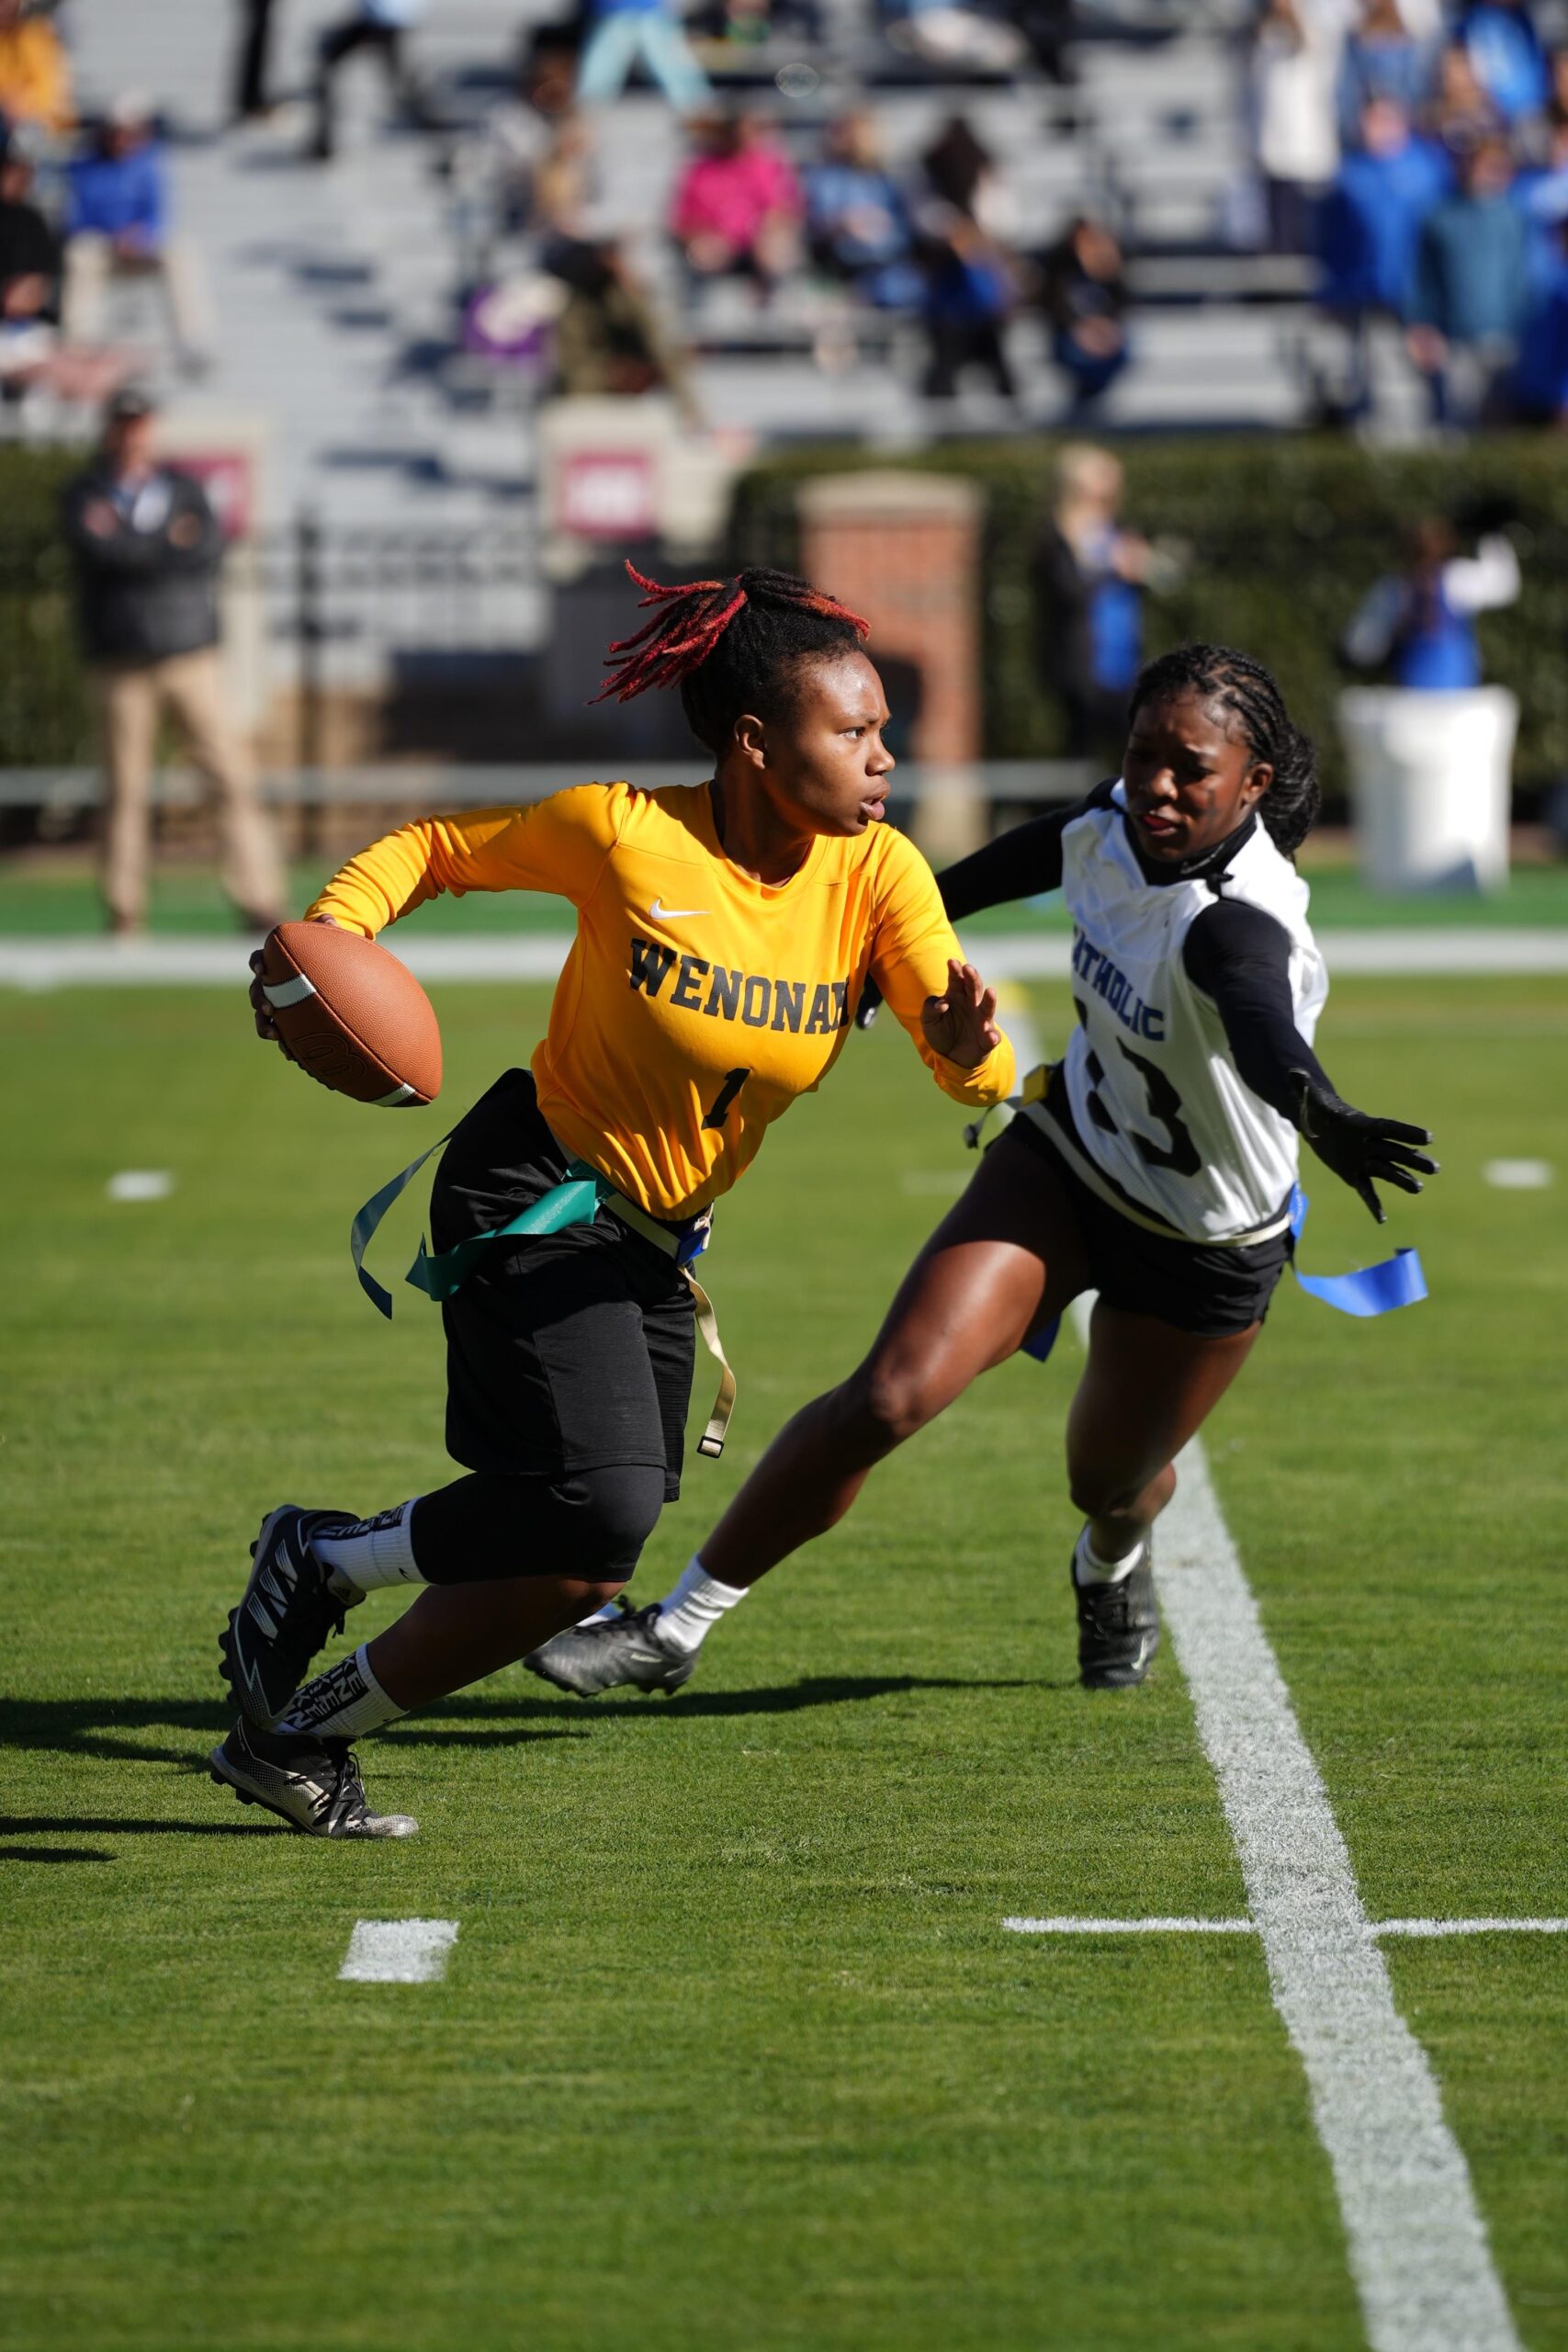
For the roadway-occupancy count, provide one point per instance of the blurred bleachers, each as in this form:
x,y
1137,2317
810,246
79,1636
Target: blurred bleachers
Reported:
x,y
337,287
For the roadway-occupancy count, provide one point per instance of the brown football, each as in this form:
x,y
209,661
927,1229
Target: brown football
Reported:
x,y
352,1015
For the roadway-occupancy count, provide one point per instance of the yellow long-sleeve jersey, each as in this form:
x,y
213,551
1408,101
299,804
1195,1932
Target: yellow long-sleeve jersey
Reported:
x,y
696,1002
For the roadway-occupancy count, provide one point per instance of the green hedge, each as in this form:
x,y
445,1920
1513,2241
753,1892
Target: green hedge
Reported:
x,y
1284,537
44,713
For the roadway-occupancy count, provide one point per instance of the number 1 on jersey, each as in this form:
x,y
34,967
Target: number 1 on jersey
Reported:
x,y
734,1080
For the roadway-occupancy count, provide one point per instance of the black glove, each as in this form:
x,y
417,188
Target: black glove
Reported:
x,y
870,1004
1357,1147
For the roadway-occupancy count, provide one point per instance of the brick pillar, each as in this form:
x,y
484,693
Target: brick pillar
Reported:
x,y
904,549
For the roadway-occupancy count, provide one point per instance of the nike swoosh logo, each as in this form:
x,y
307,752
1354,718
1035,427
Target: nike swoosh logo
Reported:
x,y
659,912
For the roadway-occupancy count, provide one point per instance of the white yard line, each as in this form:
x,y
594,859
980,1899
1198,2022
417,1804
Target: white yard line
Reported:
x,y
44,964
139,1184
1416,2242
1374,1929
1422,1927
399,1951
1131,1927
1517,1175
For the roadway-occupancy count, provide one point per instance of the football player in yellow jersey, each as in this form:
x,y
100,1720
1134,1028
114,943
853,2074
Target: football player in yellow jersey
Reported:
x,y
724,933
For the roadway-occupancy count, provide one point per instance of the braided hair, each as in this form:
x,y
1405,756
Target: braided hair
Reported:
x,y
1244,688
730,645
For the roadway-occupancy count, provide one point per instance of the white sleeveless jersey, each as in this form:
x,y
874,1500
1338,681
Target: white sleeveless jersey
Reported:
x,y
1166,1123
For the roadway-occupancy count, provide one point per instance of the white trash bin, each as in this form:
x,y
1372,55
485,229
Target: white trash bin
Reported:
x,y
1431,776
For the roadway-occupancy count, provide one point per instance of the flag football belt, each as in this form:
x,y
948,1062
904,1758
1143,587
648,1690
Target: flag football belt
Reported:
x,y
1396,1282
577,1200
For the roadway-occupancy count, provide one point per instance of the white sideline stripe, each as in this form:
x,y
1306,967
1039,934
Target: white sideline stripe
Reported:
x,y
1131,1927
44,964
1417,2244
1374,1929
1470,1928
398,1951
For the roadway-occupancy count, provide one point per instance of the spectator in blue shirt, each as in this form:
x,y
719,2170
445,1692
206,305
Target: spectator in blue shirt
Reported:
x,y
1541,379
1369,228
1540,192
1084,294
1506,51
1381,59
1372,215
857,222
1418,625
116,224
1088,575
1471,289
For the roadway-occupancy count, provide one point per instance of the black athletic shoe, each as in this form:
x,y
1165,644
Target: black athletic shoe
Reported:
x,y
287,1611
1118,1626
587,1660
310,1782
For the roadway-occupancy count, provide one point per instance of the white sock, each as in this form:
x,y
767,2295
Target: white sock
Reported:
x,y
1090,1568
341,1704
691,1610
373,1551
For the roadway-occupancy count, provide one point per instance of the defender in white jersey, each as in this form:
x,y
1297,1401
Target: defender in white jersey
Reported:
x,y
1153,1165
1173,1135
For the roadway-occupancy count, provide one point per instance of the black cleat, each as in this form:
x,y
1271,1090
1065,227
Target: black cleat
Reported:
x,y
602,1654
288,1609
1118,1626
310,1782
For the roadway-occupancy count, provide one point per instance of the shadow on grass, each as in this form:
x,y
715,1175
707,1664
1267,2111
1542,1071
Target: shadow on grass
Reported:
x,y
685,1706
100,1825
51,1853
98,1727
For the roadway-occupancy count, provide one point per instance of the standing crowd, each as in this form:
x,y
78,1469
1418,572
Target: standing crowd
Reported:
x,y
1420,152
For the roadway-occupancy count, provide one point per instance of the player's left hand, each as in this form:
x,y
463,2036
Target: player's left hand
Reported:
x,y
1357,1147
960,1024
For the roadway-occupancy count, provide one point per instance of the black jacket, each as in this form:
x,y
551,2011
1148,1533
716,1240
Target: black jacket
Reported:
x,y
142,596
30,248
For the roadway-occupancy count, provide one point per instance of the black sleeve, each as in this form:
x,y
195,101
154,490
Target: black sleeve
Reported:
x,y
207,550
1017,864
1241,958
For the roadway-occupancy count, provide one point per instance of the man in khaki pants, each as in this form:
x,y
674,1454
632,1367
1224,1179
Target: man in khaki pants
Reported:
x,y
147,551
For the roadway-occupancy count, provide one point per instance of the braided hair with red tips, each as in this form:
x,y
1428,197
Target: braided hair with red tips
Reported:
x,y
731,646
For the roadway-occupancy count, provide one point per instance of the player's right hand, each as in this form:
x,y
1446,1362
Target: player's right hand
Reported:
x,y
266,1026
1358,1147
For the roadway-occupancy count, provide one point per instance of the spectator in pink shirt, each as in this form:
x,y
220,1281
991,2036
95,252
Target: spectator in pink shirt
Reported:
x,y
737,205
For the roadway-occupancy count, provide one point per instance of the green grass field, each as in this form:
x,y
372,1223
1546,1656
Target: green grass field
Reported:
x,y
55,897
733,2053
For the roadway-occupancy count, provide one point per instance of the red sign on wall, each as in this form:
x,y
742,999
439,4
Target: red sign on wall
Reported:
x,y
608,494
226,475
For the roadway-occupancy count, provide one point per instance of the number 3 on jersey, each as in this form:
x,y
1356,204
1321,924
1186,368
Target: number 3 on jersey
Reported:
x,y
734,1080
1165,1104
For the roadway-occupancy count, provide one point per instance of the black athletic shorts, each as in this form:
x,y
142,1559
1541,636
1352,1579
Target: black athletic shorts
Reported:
x,y
564,1351
1209,1291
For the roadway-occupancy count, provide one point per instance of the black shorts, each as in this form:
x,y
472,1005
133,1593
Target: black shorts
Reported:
x,y
1210,1291
564,1351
